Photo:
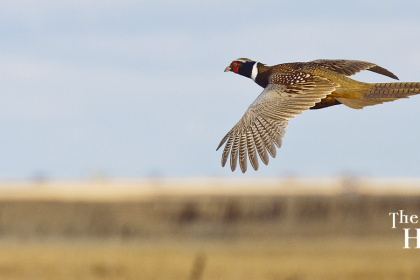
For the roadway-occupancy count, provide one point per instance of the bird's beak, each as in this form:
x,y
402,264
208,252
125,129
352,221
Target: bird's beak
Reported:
x,y
227,69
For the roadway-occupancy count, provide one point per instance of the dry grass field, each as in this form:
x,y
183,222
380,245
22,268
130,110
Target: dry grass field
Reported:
x,y
272,229
276,259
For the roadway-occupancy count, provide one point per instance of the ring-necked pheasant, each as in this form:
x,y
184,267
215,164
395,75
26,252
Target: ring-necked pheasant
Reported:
x,y
290,89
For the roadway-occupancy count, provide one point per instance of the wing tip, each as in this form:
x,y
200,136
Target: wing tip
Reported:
x,y
223,141
383,71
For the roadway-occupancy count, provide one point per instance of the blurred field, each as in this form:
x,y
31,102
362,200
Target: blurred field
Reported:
x,y
207,229
291,258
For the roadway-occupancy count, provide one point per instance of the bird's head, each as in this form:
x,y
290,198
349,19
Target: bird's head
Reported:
x,y
244,67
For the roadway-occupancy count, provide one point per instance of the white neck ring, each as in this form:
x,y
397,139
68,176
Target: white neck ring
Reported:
x,y
254,72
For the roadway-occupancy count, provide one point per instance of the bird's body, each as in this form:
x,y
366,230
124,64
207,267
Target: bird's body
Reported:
x,y
290,89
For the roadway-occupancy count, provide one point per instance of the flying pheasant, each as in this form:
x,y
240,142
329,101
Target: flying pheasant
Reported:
x,y
290,89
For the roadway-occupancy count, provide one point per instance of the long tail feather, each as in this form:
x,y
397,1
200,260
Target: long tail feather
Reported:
x,y
382,92
393,90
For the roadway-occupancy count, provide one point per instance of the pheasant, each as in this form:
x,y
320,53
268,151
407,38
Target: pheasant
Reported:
x,y
290,89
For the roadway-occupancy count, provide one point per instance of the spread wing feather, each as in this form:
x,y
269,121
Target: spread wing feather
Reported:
x,y
263,125
351,67
234,152
250,145
226,150
259,145
242,153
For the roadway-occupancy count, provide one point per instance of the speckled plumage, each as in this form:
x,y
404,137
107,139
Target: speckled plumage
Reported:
x,y
290,89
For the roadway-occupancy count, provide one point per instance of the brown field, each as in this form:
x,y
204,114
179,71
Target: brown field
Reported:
x,y
195,230
291,258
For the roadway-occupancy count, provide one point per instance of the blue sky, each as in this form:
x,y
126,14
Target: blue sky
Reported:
x,y
137,88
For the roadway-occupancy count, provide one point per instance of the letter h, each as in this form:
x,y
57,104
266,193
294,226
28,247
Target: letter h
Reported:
x,y
406,230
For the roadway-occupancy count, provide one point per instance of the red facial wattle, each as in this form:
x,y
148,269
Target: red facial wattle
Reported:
x,y
235,66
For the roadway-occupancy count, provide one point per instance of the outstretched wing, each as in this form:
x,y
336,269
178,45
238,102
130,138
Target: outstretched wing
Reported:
x,y
263,124
351,67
